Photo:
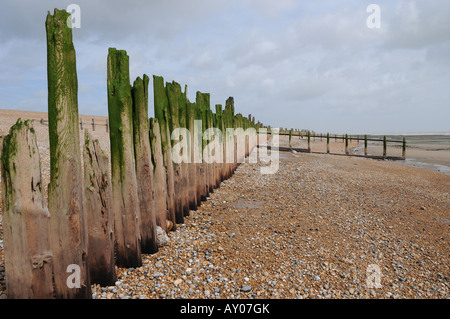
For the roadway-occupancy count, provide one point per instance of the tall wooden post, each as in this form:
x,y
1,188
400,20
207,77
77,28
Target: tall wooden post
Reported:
x,y
309,141
346,144
384,146
185,182
144,165
100,218
210,166
192,167
68,229
26,219
365,145
328,143
290,138
177,101
162,114
404,148
125,202
198,151
201,102
220,126
159,175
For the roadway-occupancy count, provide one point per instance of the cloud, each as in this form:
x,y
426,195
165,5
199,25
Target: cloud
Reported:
x,y
281,60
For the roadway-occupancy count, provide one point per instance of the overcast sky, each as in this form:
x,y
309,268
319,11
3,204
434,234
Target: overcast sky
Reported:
x,y
302,64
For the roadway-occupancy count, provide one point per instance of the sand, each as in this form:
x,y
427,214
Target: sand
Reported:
x,y
322,226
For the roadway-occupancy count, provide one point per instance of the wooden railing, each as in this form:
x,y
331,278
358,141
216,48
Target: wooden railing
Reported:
x,y
82,125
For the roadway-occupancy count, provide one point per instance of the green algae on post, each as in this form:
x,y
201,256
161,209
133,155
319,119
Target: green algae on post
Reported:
x,y
68,229
162,114
144,165
159,176
26,219
125,203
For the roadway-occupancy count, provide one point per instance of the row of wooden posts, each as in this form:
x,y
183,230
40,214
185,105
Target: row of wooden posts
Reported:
x,y
346,139
105,212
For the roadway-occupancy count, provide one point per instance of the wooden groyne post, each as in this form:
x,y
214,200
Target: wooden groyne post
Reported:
x,y
144,165
100,218
26,219
125,203
365,145
328,143
161,107
159,175
68,228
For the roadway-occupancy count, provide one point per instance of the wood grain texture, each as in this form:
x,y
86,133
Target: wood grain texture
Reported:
x,y
159,176
68,233
26,219
162,114
144,165
100,218
125,203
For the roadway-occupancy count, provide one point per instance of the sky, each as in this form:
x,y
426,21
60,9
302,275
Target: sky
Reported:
x,y
315,65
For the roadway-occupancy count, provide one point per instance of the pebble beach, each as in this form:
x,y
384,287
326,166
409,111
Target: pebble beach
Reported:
x,y
322,227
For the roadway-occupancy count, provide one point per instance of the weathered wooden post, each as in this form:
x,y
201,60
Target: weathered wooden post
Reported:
x,y
173,92
125,203
68,229
231,138
328,143
100,218
290,138
161,106
192,167
201,102
210,166
226,140
107,125
185,182
198,150
93,124
309,141
81,123
144,165
346,144
365,145
26,219
159,176
384,146
220,126
404,147
177,108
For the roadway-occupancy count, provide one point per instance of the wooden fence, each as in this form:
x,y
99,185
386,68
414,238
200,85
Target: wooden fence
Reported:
x,y
93,124
345,139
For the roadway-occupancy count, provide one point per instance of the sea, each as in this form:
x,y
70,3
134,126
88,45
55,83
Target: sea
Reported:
x,y
424,150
